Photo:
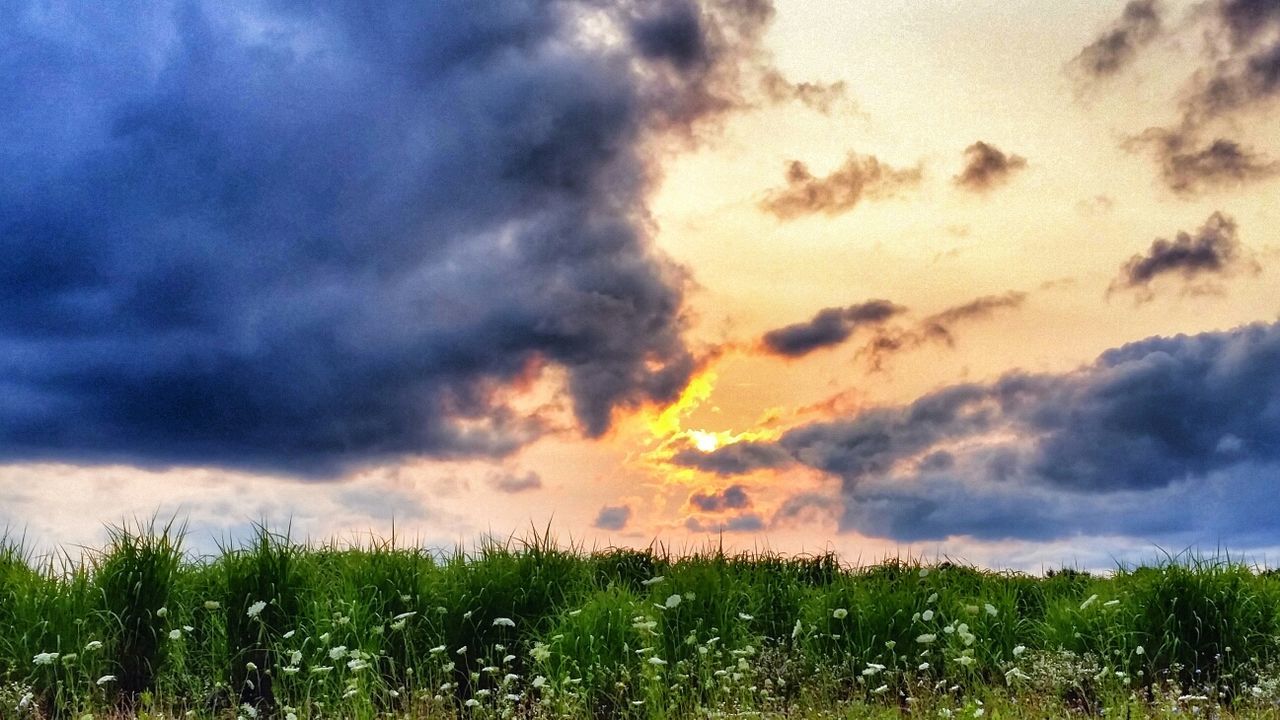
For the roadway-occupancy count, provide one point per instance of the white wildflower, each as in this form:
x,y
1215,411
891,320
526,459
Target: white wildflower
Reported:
x,y
991,609
437,650
162,612
672,601
93,645
923,666
653,580
212,605
1111,603
1018,650
45,658
795,632
106,679
932,599
927,615
1091,600
504,622
471,702
926,638
337,653
744,616
175,634
462,650
1140,650
405,615
881,689
256,609
655,660
539,681
840,613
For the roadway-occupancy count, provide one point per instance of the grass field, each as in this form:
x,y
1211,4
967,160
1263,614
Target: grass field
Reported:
x,y
527,628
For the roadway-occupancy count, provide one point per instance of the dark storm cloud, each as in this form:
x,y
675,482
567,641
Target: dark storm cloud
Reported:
x,y
302,237
1214,250
936,328
986,166
733,497
613,517
1138,25
513,483
861,176
747,522
1187,169
830,326
1192,420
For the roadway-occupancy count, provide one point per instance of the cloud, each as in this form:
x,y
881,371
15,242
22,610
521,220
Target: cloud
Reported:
x,y
300,239
986,167
829,327
613,517
512,483
1188,170
1243,77
861,176
822,97
1214,249
1247,73
936,328
746,522
733,497
1138,25
734,459
1156,438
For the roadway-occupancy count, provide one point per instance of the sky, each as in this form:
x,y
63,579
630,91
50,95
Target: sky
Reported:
x,y
989,281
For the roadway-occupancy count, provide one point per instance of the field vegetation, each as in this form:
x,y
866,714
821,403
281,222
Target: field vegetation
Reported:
x,y
529,629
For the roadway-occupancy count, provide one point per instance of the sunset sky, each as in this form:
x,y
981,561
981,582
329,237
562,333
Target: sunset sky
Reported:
x,y
989,280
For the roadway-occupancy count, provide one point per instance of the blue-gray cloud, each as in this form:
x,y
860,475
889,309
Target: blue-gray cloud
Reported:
x,y
299,237
1214,250
1100,450
733,497
613,517
829,327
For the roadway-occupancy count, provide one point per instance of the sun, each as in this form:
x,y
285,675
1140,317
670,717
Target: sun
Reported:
x,y
704,441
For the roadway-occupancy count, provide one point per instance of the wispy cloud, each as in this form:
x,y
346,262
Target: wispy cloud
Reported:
x,y
860,177
936,328
1115,49
829,327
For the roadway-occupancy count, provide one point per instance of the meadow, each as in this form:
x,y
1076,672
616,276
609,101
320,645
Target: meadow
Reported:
x,y
274,628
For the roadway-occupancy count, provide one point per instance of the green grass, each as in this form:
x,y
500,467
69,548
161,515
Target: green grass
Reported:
x,y
274,628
